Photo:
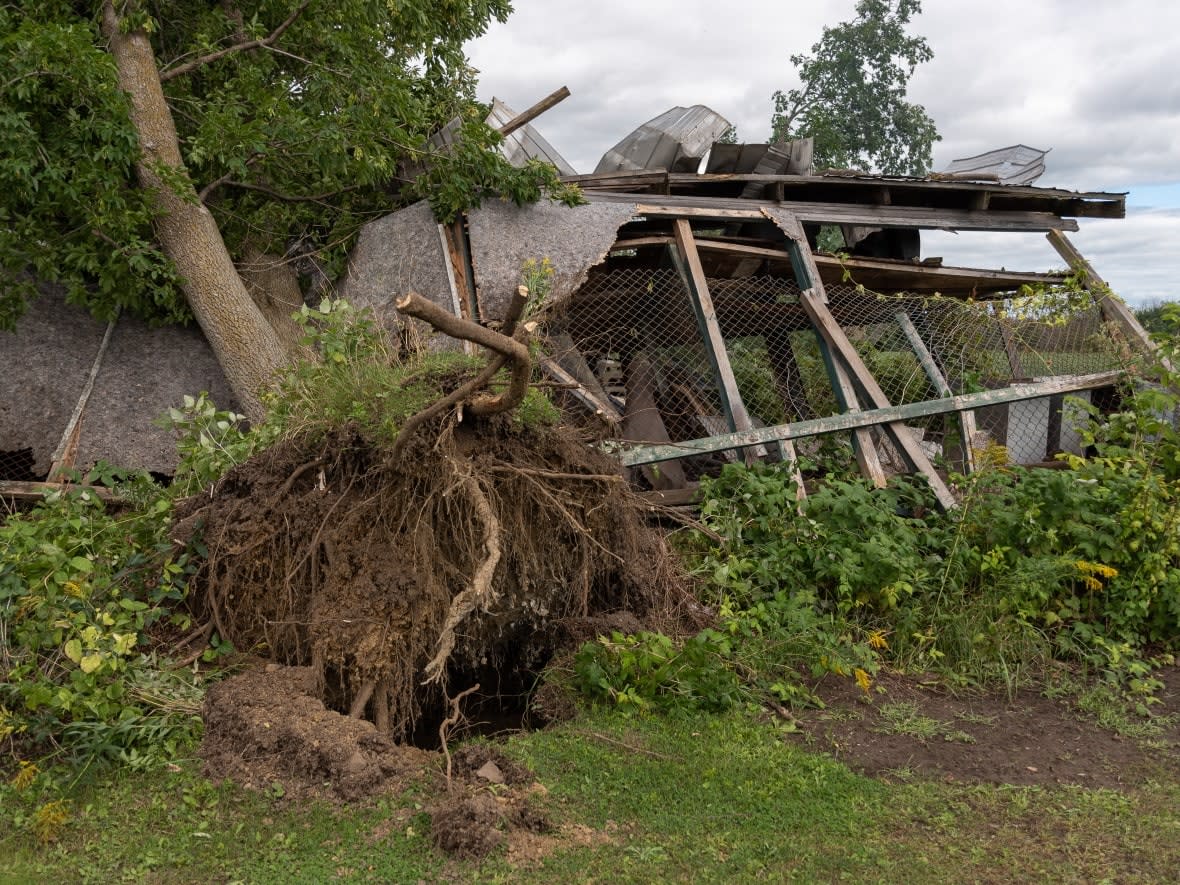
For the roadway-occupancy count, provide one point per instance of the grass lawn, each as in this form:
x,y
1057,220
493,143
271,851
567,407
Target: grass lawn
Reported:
x,y
701,799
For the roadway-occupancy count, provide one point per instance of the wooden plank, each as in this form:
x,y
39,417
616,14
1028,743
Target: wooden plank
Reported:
x,y
604,409
35,491
867,189
712,245
67,447
930,367
535,111
636,242
685,497
870,417
698,291
900,435
659,210
814,302
926,277
842,213
1113,308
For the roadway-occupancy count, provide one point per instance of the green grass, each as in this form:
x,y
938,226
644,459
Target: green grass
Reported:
x,y
701,799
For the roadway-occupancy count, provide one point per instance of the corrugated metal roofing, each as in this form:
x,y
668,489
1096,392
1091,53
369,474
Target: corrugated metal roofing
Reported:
x,y
1017,164
525,143
676,140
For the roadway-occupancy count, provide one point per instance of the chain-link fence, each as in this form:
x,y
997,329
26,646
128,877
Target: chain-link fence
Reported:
x,y
632,337
18,465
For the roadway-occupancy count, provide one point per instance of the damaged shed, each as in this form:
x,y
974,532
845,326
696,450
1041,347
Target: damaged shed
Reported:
x,y
710,302
758,310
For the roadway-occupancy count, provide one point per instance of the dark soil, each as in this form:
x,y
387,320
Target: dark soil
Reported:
x,y
904,728
266,730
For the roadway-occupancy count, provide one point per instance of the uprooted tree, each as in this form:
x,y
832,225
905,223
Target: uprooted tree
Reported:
x,y
148,145
467,535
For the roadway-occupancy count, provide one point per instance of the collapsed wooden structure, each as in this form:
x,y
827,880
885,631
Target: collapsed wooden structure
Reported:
x,y
718,301
697,314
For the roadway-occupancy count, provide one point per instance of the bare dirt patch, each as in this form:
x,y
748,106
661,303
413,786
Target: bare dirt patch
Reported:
x,y
906,728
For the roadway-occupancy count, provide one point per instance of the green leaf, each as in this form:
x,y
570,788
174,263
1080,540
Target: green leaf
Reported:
x,y
73,650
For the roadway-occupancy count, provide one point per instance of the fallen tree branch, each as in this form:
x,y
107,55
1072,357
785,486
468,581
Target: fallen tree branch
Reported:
x,y
506,349
244,46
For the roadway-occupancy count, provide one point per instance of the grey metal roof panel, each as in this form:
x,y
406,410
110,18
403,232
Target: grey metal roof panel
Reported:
x,y
676,140
525,143
1016,164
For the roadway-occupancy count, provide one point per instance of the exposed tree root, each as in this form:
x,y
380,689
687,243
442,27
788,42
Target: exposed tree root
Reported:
x,y
461,547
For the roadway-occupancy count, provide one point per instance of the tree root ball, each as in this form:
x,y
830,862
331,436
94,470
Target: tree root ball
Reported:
x,y
467,550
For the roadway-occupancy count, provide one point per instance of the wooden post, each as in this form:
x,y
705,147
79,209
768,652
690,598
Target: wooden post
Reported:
x,y
702,303
815,303
807,275
1113,308
930,367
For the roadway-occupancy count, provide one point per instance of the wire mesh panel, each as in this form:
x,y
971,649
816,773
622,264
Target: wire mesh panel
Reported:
x,y
632,336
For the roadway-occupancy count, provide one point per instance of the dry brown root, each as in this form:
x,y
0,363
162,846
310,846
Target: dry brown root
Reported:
x,y
480,590
507,348
444,728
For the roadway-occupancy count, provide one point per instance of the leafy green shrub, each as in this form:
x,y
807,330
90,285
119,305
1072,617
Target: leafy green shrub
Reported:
x,y
81,584
651,671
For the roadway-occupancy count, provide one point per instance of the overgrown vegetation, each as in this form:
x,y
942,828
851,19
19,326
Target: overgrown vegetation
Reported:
x,y
1034,569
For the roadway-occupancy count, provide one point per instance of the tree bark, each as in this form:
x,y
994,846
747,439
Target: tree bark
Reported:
x,y
244,343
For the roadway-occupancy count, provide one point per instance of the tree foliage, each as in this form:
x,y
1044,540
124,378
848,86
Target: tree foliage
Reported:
x,y
294,119
852,97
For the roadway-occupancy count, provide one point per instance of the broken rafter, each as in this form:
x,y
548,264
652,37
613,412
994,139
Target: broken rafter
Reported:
x,y
869,418
842,213
526,117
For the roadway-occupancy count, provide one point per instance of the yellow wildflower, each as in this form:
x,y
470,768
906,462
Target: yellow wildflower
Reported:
x,y
862,679
1091,573
877,639
25,775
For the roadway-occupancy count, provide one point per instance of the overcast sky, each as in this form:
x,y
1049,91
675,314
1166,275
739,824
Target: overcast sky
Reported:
x,y
1096,81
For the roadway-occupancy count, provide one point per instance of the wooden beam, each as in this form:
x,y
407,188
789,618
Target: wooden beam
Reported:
x,y
1114,310
702,302
814,303
930,367
35,491
870,418
604,409
842,213
636,242
900,435
806,275
535,111
935,277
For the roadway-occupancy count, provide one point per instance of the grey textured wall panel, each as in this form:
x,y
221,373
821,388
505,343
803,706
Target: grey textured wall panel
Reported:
x,y
504,236
399,253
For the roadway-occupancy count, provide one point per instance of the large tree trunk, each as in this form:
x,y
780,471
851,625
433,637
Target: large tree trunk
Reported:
x,y
245,344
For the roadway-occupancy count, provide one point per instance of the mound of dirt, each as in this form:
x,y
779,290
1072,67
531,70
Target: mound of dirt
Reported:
x,y
265,729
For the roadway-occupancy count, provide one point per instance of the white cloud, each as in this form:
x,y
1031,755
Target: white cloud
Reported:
x,y
1095,81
